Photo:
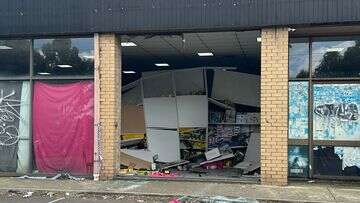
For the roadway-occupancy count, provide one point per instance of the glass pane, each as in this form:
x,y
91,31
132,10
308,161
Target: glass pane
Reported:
x,y
14,57
337,161
298,110
63,127
336,57
298,161
336,112
64,56
299,58
15,143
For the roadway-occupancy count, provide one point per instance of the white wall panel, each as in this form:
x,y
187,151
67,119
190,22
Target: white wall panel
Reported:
x,y
164,143
192,111
160,112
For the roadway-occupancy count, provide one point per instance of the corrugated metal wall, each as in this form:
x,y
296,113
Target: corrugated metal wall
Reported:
x,y
40,17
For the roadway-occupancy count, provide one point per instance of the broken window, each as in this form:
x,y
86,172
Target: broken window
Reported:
x,y
324,108
197,103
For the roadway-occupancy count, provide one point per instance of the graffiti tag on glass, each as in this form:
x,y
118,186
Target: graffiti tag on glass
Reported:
x,y
342,111
9,133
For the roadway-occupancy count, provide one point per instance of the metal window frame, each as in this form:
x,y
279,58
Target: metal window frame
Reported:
x,y
310,142
33,78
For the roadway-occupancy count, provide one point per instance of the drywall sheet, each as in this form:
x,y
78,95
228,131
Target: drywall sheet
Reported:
x,y
240,88
132,119
157,84
136,158
298,110
253,149
160,112
336,111
192,111
252,155
164,143
189,82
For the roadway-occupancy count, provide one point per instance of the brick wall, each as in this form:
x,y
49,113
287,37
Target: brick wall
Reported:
x,y
274,106
110,99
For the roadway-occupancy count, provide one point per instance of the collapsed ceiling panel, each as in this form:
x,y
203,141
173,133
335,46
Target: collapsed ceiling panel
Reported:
x,y
227,86
164,143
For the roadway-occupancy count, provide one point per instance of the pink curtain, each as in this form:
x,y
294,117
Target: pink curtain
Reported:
x,y
63,132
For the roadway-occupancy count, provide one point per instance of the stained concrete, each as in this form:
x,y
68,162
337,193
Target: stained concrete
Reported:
x,y
295,192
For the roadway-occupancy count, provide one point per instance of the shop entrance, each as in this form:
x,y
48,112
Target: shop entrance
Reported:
x,y
191,105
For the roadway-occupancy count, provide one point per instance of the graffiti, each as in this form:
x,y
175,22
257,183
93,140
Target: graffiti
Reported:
x,y
298,110
9,133
336,112
227,136
345,112
193,138
350,156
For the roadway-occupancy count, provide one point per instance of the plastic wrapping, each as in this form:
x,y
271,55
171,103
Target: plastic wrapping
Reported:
x,y
63,134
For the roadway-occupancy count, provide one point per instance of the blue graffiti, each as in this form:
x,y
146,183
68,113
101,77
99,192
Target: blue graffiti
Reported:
x,y
298,110
336,112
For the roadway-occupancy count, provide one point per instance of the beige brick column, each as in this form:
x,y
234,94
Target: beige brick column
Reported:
x,y
274,106
109,79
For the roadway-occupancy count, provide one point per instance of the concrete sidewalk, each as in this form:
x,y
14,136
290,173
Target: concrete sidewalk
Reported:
x,y
295,192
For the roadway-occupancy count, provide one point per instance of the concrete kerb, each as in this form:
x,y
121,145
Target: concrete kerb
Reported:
x,y
298,192
101,193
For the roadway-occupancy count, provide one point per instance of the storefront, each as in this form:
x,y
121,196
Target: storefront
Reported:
x,y
191,106
180,88
47,97
324,98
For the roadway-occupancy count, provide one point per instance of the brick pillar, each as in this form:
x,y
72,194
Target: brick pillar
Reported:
x,y
109,79
274,106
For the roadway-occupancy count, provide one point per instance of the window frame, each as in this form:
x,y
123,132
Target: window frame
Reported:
x,y
33,78
54,77
310,142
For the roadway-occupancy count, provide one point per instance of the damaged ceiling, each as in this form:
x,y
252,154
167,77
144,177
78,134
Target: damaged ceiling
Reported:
x,y
230,49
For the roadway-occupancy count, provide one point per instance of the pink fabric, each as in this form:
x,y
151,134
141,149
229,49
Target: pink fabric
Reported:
x,y
63,133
